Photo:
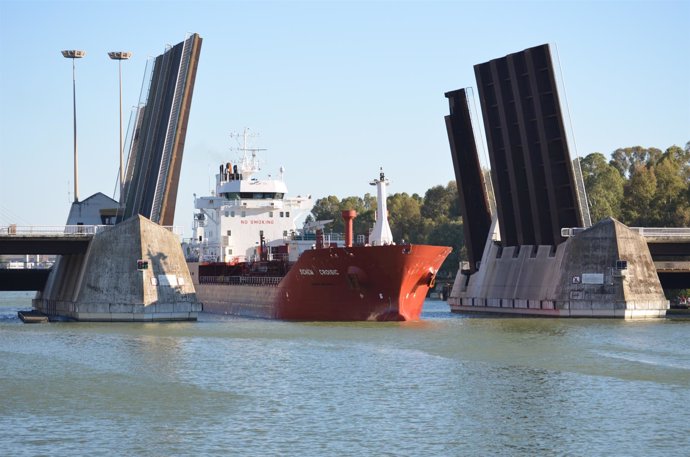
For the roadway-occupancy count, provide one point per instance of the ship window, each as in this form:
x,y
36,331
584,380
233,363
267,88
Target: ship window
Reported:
x,y
232,214
244,214
258,195
284,232
281,214
287,213
270,214
229,232
227,213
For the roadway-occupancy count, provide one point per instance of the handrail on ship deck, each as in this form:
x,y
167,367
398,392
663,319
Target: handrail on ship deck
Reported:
x,y
241,280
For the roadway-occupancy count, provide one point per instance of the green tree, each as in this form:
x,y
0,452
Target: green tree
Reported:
x,y
670,206
366,209
404,217
604,186
369,201
625,160
454,210
449,233
328,208
441,203
331,208
639,192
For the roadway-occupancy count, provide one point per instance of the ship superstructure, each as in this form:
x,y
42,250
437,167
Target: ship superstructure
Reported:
x,y
246,214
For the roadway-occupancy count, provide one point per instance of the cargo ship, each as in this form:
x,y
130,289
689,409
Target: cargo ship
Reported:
x,y
247,258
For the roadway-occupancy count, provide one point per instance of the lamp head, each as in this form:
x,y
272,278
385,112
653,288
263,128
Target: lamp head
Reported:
x,y
119,55
73,54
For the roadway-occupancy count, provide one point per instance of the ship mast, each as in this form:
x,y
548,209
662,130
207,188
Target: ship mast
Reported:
x,y
381,234
250,163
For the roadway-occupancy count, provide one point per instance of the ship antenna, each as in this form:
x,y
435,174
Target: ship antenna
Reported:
x,y
250,163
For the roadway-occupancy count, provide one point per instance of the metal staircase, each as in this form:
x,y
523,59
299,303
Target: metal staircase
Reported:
x,y
171,131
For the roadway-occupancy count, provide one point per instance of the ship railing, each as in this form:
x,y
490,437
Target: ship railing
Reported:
x,y
241,280
327,237
281,257
246,203
233,204
286,204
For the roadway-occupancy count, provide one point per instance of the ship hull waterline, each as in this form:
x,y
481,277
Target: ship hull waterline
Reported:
x,y
372,283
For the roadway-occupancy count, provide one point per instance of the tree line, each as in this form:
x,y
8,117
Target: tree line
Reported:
x,y
641,187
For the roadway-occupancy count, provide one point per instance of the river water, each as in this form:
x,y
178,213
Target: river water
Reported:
x,y
450,385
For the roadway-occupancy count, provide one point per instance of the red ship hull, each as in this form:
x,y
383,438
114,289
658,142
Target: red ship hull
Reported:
x,y
380,283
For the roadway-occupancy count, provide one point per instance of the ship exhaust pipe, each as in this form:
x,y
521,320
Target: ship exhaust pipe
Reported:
x,y
348,216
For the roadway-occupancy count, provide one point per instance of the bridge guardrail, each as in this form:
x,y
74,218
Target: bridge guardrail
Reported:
x,y
663,231
43,230
668,232
48,230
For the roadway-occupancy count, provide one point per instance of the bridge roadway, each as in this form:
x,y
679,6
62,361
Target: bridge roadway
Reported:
x,y
670,250
46,240
43,240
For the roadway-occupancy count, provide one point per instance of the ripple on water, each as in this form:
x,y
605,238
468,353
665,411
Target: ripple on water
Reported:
x,y
449,385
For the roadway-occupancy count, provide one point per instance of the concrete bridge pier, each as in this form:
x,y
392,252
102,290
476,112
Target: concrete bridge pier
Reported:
x,y
107,283
603,271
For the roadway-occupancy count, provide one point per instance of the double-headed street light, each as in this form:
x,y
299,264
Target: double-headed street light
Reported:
x,y
74,54
120,56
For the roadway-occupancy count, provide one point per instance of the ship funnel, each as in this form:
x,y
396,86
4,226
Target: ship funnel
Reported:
x,y
348,216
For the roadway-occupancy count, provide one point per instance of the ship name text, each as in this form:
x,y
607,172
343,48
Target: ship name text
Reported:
x,y
322,272
257,221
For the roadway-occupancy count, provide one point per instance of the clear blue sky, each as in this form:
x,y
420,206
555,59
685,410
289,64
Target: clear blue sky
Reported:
x,y
336,89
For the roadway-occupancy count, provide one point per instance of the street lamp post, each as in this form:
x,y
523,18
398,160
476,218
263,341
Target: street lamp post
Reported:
x,y
74,54
120,56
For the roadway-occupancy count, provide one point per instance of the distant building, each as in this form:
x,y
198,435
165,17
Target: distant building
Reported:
x,y
98,209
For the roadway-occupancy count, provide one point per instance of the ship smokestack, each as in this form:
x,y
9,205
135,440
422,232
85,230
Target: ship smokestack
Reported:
x,y
319,238
348,216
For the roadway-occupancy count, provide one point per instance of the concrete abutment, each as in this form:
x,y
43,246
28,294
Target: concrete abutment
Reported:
x,y
105,284
604,271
